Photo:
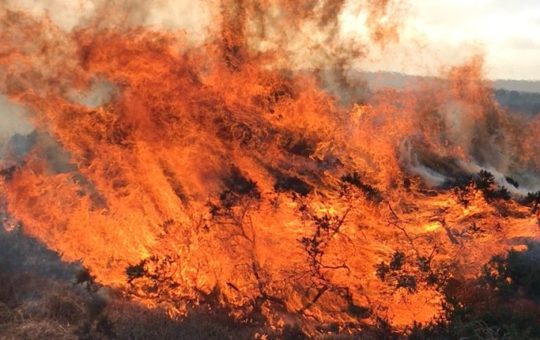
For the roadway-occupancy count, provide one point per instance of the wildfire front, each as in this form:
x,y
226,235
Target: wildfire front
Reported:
x,y
237,169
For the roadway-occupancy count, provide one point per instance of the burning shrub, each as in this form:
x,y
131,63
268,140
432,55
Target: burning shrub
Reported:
x,y
294,184
533,199
402,272
8,172
371,193
517,273
485,182
238,186
135,271
170,189
502,304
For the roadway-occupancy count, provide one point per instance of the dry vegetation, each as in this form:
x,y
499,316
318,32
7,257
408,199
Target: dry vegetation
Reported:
x,y
36,308
43,298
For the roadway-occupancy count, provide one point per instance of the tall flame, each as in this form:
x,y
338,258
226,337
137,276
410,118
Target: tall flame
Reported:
x,y
222,173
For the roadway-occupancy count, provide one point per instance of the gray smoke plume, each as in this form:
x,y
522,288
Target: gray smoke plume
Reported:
x,y
12,121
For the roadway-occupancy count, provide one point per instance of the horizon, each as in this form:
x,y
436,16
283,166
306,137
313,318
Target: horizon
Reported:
x,y
446,32
436,76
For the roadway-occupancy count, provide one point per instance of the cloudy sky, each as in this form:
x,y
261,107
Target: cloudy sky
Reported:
x,y
436,33
506,32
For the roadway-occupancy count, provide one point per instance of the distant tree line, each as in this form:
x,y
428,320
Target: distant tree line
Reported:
x,y
523,102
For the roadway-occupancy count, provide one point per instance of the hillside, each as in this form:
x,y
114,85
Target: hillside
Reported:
x,y
517,95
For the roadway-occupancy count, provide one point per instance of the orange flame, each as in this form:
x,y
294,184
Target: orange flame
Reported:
x,y
213,173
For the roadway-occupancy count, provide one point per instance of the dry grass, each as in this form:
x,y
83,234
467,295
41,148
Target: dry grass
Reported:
x,y
36,329
35,308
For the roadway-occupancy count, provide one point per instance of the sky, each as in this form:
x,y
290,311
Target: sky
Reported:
x,y
435,33
506,33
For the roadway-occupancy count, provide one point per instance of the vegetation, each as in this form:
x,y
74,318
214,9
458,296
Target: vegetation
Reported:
x,y
524,102
501,304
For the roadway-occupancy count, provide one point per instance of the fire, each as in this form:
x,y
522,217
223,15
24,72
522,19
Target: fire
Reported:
x,y
433,226
212,174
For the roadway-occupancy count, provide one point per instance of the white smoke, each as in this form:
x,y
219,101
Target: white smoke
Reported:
x,y
12,121
66,14
100,93
192,17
